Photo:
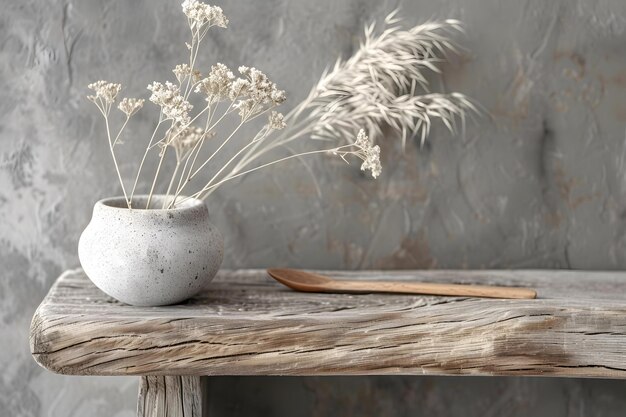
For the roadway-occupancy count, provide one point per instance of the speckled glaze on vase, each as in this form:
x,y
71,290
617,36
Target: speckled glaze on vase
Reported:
x,y
150,257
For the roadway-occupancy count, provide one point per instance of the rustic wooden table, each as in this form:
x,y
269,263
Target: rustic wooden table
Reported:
x,y
247,324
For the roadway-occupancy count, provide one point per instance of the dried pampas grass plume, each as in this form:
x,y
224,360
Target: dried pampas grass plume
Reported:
x,y
382,84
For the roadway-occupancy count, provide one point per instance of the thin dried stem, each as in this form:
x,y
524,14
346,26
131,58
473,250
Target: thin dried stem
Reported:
x,y
156,175
117,168
145,154
286,158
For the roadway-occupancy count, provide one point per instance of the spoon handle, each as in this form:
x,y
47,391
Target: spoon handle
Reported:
x,y
428,288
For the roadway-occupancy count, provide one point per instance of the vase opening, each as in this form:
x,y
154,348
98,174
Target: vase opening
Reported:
x,y
156,203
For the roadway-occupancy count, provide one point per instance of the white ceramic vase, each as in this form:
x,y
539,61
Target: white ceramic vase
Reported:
x,y
150,257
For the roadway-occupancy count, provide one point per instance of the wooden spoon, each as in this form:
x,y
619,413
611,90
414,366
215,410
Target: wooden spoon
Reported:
x,y
310,282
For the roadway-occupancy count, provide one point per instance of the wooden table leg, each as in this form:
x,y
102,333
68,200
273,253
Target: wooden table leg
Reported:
x,y
170,396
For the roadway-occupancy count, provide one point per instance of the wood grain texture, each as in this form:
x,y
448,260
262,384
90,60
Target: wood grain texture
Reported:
x,y
169,396
247,324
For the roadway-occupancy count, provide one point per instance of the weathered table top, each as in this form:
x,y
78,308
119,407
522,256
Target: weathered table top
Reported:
x,y
247,324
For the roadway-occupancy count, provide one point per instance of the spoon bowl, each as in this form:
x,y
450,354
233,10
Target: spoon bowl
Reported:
x,y
300,280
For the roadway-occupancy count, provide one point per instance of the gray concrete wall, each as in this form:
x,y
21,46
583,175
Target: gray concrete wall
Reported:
x,y
540,183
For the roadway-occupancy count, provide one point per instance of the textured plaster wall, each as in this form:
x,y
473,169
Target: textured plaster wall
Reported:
x,y
541,182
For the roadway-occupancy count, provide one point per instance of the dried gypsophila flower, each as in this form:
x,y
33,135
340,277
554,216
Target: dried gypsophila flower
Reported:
x,y
130,106
239,88
200,14
246,108
256,92
104,90
261,89
276,120
182,71
369,153
173,105
365,150
184,138
217,84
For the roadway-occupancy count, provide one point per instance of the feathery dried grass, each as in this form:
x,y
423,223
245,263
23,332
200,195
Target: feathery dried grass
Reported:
x,y
383,84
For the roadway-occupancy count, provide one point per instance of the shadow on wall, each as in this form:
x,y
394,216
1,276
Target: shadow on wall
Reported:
x,y
430,396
